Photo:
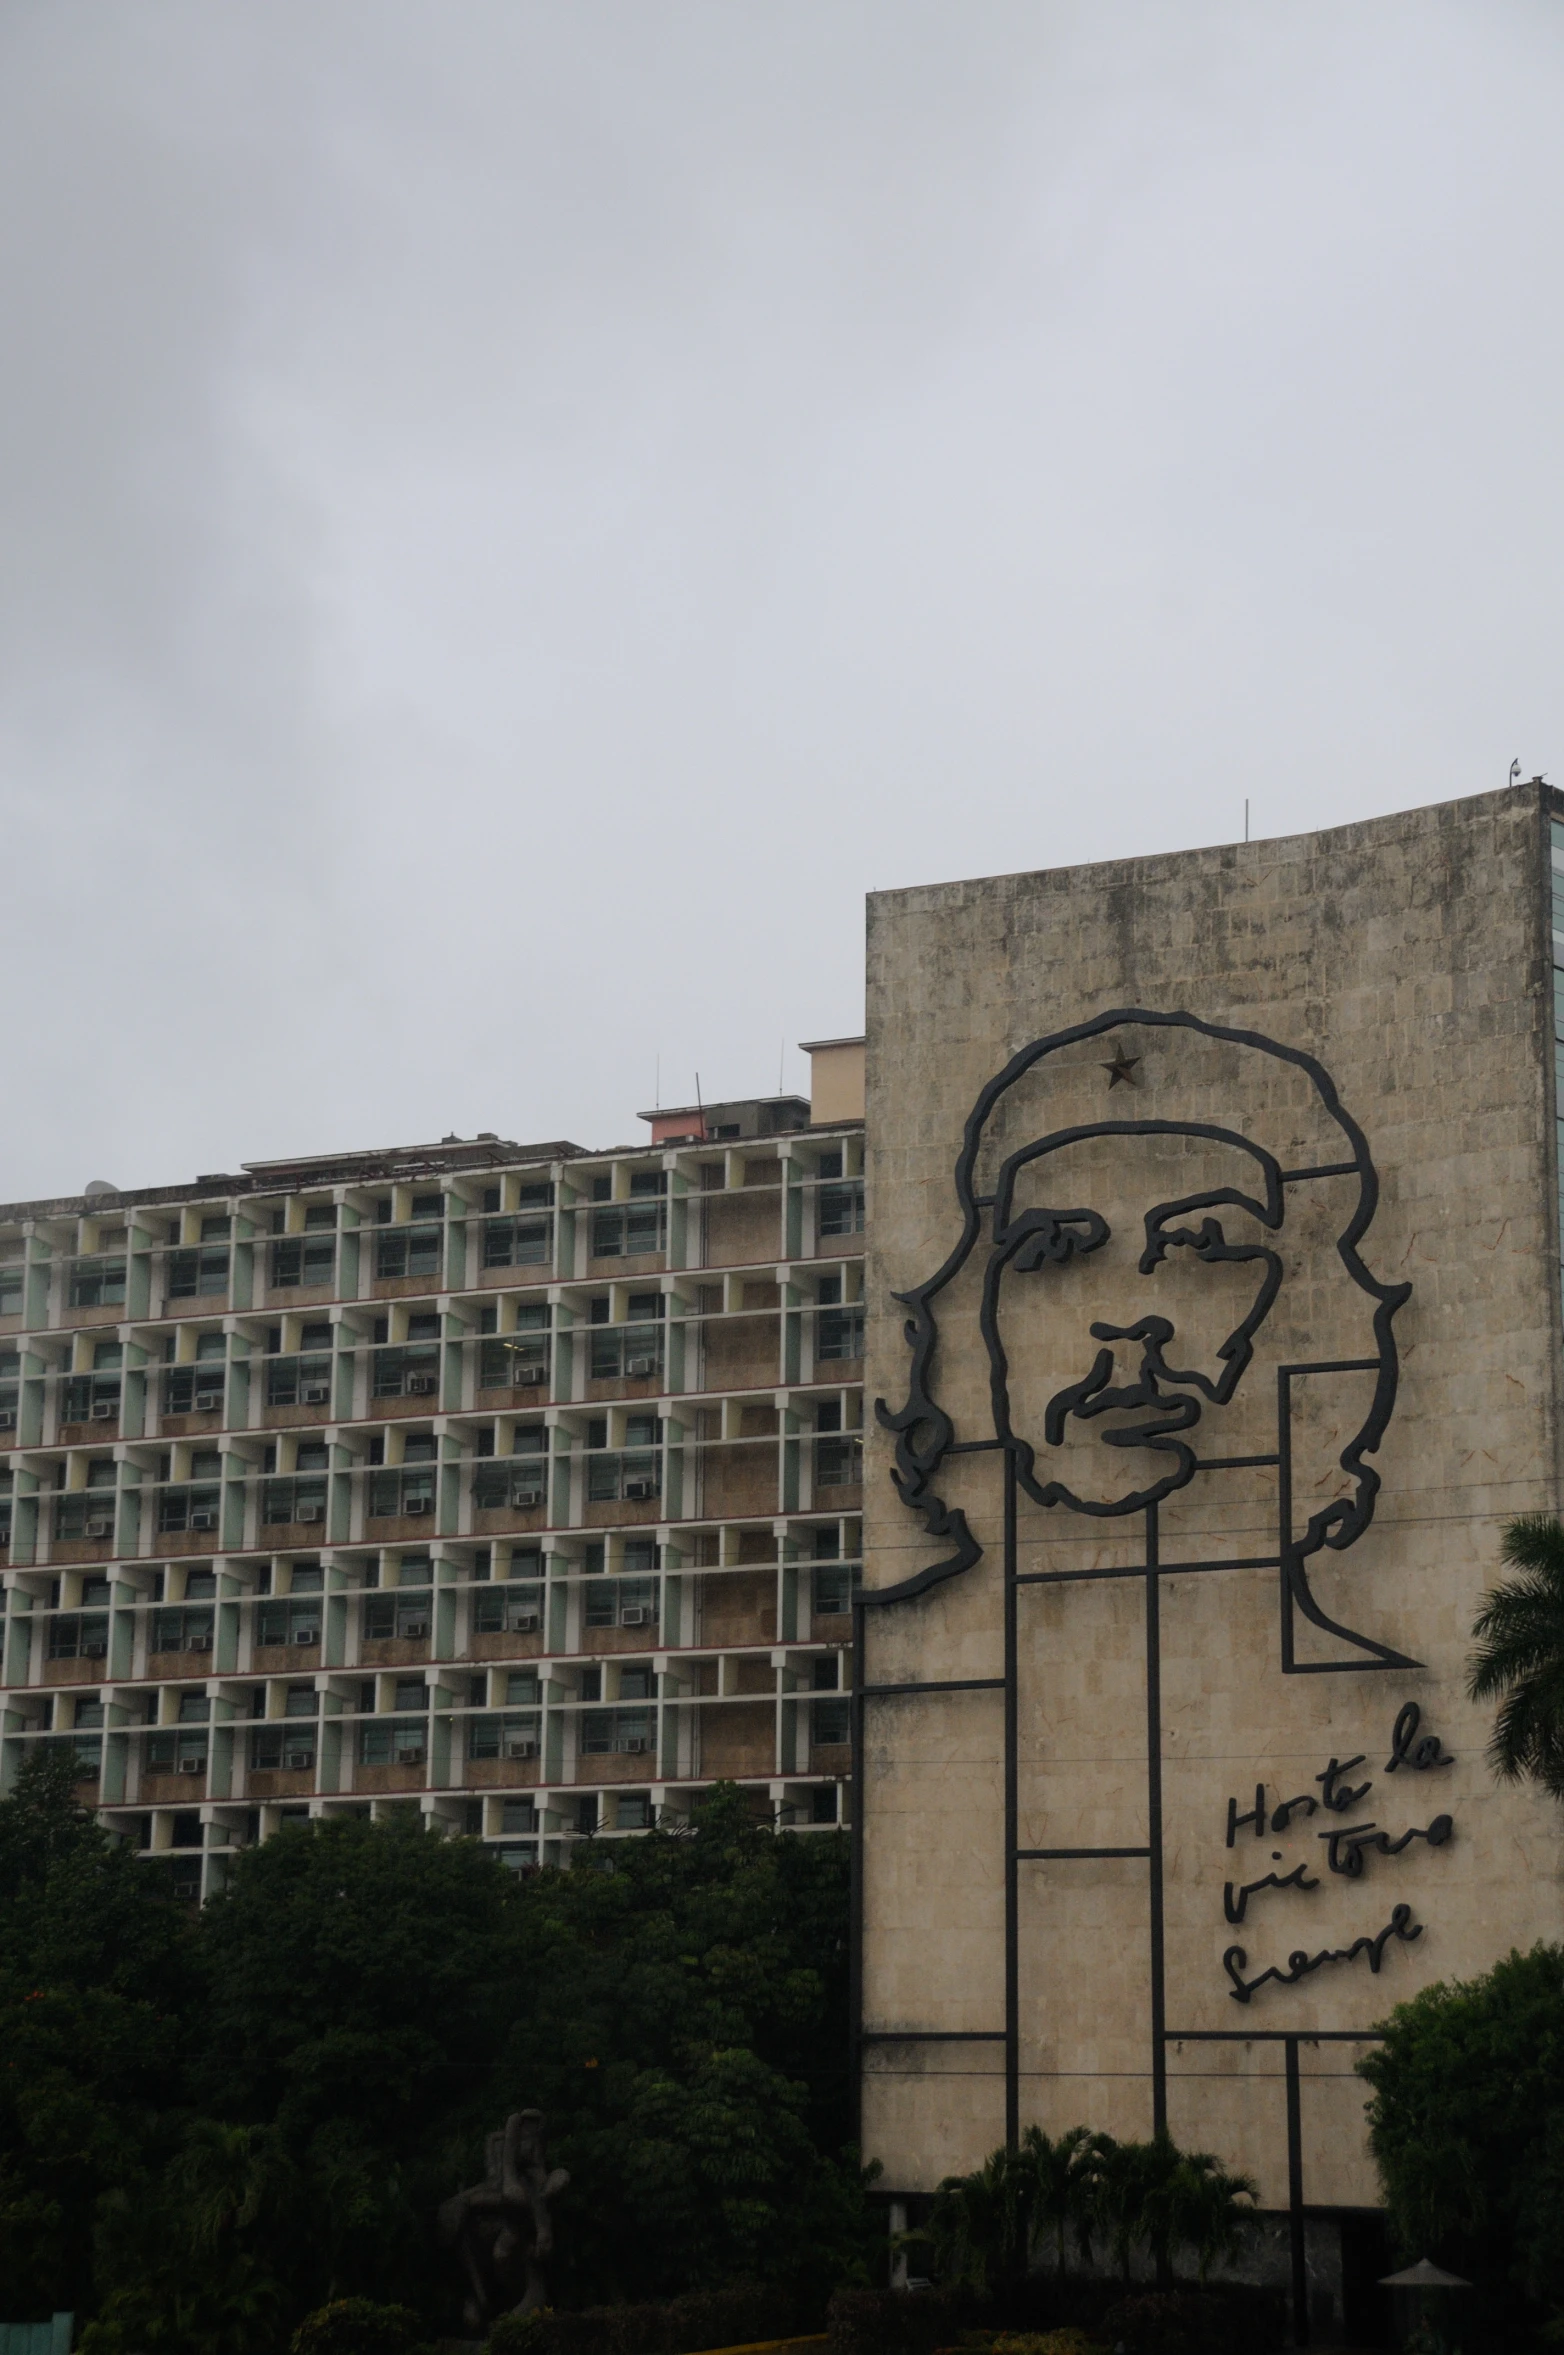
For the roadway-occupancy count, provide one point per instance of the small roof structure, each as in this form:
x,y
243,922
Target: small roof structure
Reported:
x,y
1423,2276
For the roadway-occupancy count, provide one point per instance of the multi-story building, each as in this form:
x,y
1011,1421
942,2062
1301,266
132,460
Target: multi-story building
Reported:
x,y
519,1485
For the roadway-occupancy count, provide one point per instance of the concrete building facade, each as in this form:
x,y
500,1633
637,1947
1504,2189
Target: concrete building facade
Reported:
x,y
516,1485
1214,1309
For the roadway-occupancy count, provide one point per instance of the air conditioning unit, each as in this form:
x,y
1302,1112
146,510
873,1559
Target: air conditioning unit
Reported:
x,y
315,1394
101,1525
105,1410
409,1758
95,1648
635,1745
634,1615
520,1746
525,1376
526,1623
7,1418
637,1491
308,1512
417,1504
523,1499
192,1766
204,1517
199,1643
308,1635
416,1627
422,1385
638,1368
297,1761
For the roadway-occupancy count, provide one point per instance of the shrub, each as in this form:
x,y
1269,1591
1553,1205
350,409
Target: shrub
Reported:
x,y
735,2316
1188,2322
357,2326
891,2322
1045,2342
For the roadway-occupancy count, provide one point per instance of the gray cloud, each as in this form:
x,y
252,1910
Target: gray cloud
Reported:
x,y
516,516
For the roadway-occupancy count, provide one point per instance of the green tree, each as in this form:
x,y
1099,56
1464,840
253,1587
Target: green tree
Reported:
x,y
1519,1659
96,1964
683,2035
1467,2130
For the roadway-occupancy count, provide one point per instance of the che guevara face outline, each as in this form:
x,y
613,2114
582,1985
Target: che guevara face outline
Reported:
x,y
1169,1398
923,1431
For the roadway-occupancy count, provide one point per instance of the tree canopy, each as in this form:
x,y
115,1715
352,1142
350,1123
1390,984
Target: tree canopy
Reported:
x,y
212,2122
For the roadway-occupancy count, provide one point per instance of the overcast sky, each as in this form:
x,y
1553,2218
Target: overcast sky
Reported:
x,y
516,515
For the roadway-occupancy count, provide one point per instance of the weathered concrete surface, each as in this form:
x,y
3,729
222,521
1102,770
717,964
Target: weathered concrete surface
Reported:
x,y
1410,955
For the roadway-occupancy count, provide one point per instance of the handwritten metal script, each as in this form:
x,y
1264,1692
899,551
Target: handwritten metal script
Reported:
x,y
1347,1849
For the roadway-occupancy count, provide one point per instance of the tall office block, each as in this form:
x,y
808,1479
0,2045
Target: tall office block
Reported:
x,y
515,1485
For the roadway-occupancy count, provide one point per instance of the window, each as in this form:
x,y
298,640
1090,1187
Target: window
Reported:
x,y
629,1230
88,1512
393,1742
524,1241
289,1621
198,1389
97,1283
514,1735
178,1753
412,1371
304,1380
626,1731
79,1635
408,1251
521,1484
409,1491
518,1815
831,1721
633,1350
634,1813
841,1207
200,1586
310,1258
181,1631
839,1333
291,1747
303,1498
635,1474
522,1688
403,1614
622,1602
835,1584
10,1388
839,1456
5,1508
301,1700
520,1360
197,1274
11,1285
509,1610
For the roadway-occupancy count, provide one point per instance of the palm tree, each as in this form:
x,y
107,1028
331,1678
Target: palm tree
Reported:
x,y
1199,2206
978,2227
1059,2179
1520,1655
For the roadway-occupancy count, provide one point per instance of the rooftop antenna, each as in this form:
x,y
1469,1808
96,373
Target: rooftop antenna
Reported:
x,y
1246,817
781,1060
700,1108
657,1093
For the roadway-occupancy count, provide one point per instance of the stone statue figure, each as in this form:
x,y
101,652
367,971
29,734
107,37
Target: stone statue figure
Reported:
x,y
501,2230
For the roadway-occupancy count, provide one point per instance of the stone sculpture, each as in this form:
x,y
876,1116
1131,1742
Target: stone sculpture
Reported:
x,y
501,2230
